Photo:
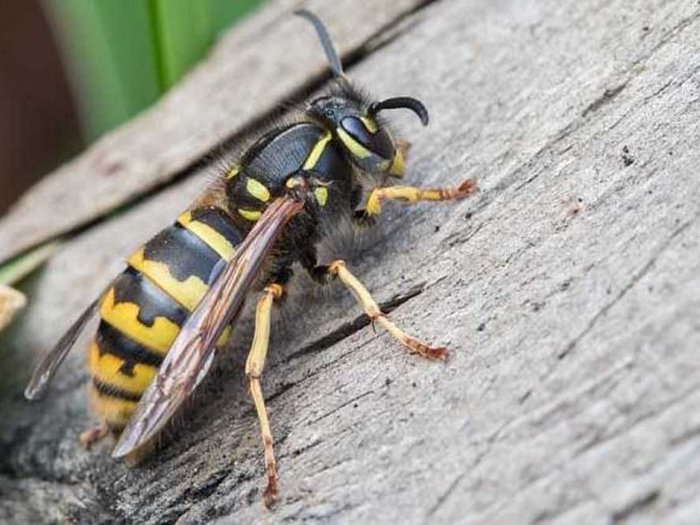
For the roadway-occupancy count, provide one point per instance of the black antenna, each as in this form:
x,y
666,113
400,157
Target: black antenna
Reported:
x,y
401,102
326,42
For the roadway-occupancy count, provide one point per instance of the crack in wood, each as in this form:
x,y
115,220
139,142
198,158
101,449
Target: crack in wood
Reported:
x,y
607,97
638,505
340,407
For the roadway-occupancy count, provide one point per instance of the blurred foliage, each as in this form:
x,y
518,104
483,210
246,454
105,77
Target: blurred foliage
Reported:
x,y
11,300
123,54
21,266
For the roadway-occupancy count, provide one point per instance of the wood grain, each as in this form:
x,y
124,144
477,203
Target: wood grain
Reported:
x,y
567,291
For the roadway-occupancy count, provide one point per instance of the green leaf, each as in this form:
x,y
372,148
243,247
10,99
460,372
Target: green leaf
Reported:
x,y
107,48
183,30
123,54
21,266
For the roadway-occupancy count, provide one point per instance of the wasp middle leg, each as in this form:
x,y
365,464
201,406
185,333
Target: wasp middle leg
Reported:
x,y
337,269
253,369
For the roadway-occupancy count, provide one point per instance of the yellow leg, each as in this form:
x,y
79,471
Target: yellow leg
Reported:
x,y
412,195
363,297
253,369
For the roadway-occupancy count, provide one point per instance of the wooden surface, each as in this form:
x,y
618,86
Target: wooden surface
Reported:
x,y
567,290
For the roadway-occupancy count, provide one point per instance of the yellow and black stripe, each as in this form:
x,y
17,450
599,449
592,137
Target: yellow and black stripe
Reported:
x,y
146,305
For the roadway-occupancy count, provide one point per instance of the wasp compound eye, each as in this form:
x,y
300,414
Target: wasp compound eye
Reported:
x,y
367,134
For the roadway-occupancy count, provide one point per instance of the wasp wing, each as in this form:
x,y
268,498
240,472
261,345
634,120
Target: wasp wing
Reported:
x,y
192,351
46,369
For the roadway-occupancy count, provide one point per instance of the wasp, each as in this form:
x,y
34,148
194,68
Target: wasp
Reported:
x,y
162,320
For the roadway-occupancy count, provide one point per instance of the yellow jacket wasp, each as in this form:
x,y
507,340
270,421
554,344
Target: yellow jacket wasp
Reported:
x,y
162,319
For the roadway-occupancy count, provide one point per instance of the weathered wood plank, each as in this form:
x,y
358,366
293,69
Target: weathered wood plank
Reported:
x,y
567,291
249,73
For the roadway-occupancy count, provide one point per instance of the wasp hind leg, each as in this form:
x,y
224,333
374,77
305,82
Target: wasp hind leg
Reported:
x,y
365,300
254,369
93,436
412,195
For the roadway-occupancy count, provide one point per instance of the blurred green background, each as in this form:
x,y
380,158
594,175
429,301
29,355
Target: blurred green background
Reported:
x,y
70,70
123,54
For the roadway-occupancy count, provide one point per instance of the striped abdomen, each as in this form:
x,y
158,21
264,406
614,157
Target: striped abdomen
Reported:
x,y
145,307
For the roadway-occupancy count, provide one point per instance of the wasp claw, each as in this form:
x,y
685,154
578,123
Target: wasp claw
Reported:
x,y
439,353
435,353
270,494
466,188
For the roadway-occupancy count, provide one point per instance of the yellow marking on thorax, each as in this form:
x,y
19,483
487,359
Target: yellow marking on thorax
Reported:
x,y
357,149
188,292
110,409
124,317
321,194
106,368
257,189
250,215
370,124
235,170
209,235
317,151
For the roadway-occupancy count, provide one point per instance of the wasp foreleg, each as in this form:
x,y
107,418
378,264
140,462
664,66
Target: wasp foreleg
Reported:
x,y
364,299
253,369
411,195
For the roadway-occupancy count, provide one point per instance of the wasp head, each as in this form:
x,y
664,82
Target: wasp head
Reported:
x,y
354,122
366,140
